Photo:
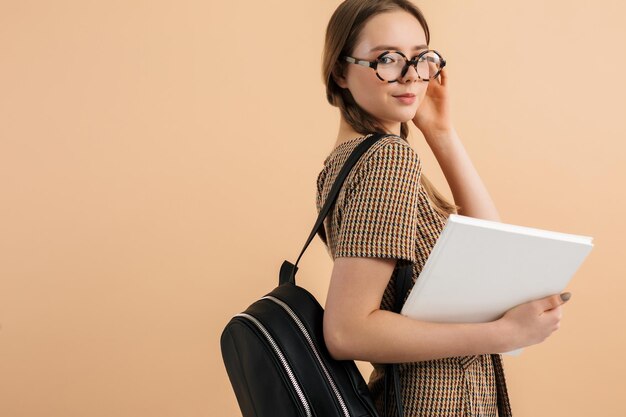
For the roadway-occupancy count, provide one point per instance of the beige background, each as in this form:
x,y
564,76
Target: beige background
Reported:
x,y
158,163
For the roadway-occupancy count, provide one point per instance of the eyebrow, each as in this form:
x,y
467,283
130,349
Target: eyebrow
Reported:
x,y
388,47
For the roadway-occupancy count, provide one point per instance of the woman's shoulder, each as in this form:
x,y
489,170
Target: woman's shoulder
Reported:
x,y
388,153
395,143
392,152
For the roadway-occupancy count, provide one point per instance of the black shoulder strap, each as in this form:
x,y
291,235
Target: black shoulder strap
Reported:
x,y
288,270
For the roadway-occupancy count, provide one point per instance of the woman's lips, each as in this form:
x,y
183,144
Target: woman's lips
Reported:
x,y
406,98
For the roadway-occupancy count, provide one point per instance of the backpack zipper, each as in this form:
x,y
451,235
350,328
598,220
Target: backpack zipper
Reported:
x,y
304,331
280,355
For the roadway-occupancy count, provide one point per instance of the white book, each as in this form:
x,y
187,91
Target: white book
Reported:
x,y
479,269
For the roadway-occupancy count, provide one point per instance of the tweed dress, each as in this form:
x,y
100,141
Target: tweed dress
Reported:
x,y
383,211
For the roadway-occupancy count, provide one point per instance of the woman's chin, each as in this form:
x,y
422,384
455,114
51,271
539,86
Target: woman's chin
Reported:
x,y
406,117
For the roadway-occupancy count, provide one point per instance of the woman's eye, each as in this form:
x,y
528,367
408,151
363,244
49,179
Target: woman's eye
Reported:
x,y
382,60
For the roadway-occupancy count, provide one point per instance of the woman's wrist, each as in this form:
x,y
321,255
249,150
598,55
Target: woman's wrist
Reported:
x,y
441,139
505,335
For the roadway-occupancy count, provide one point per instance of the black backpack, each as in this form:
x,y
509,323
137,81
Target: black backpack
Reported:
x,y
275,355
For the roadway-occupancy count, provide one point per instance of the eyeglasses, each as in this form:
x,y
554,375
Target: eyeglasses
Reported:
x,y
393,65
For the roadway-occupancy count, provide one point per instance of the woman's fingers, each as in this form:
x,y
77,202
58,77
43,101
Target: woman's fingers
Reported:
x,y
443,76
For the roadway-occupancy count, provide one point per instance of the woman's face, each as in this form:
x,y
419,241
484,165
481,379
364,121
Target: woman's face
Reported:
x,y
396,30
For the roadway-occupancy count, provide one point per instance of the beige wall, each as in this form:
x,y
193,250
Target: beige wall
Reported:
x,y
158,163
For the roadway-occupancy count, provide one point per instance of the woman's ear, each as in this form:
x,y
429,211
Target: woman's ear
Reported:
x,y
339,79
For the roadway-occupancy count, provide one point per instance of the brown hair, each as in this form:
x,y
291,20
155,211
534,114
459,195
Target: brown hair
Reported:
x,y
342,33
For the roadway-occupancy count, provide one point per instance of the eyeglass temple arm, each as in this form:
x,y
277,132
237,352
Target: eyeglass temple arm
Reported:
x,y
359,62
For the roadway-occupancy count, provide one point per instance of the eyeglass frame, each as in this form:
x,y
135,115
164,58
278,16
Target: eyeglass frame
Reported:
x,y
413,62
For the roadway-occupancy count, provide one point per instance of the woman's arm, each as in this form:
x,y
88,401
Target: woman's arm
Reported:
x,y
434,119
355,328
467,188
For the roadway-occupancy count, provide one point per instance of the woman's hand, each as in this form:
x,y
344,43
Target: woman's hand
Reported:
x,y
433,114
532,322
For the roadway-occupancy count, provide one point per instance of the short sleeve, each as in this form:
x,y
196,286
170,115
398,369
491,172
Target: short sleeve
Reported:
x,y
378,218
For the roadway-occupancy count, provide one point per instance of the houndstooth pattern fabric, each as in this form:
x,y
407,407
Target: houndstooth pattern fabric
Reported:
x,y
383,211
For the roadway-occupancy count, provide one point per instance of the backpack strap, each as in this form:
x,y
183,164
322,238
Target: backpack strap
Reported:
x,y
403,280
288,270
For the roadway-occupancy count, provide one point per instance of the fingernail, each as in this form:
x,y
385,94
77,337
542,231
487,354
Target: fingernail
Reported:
x,y
566,296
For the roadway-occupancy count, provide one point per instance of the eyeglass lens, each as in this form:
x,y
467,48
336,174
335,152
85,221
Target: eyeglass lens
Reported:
x,y
390,66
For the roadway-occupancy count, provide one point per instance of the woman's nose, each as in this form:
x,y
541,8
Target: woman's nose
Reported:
x,y
410,74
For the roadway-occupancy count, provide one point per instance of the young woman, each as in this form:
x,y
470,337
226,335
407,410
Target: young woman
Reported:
x,y
381,74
